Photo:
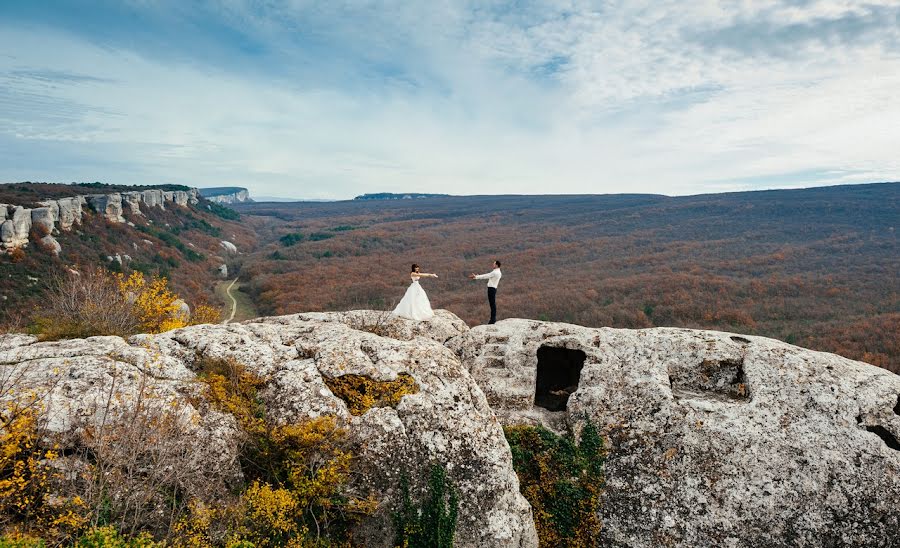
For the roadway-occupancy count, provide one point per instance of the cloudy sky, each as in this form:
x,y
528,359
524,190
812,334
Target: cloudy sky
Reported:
x,y
333,99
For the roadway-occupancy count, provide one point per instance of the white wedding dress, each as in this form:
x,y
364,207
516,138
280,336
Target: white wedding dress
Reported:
x,y
414,305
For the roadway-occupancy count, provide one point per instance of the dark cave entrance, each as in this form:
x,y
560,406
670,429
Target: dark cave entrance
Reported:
x,y
558,372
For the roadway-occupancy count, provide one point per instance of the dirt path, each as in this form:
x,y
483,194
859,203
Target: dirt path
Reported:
x,y
233,300
238,304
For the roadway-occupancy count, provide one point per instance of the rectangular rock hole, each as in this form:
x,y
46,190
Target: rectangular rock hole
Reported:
x,y
558,373
712,379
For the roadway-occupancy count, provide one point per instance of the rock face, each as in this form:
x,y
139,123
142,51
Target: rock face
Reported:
x,y
68,211
107,205
133,201
43,218
226,195
447,420
714,439
154,198
14,231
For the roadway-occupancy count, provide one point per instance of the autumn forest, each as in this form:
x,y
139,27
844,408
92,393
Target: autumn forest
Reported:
x,y
815,267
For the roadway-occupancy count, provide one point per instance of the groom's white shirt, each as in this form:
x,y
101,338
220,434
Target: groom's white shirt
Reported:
x,y
493,277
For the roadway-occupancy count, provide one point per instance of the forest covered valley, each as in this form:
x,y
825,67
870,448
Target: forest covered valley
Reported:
x,y
813,267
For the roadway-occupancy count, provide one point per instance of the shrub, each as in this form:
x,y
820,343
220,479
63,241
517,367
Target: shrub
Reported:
x,y
221,211
98,302
27,476
297,472
291,239
109,537
362,393
83,305
205,313
562,480
434,524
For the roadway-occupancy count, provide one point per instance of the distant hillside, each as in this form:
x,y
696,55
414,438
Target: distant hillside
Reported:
x,y
226,194
170,233
392,196
815,267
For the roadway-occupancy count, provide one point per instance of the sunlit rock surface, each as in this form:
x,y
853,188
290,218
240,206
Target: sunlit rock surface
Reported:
x,y
714,439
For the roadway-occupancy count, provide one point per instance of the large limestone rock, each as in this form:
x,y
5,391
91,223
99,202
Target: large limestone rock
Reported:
x,y
108,205
228,246
43,219
447,420
14,231
53,205
50,244
133,201
154,198
180,197
70,211
3,212
714,439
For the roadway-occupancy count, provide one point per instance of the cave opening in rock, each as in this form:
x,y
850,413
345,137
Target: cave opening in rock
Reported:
x,y
558,372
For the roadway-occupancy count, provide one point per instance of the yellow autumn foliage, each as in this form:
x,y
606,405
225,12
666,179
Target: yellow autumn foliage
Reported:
x,y
154,304
99,302
26,477
362,393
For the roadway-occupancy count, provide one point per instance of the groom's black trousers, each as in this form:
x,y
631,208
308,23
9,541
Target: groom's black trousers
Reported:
x,y
492,300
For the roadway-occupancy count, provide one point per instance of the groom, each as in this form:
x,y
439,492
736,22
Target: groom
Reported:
x,y
493,278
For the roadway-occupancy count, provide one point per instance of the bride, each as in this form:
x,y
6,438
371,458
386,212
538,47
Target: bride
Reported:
x,y
414,305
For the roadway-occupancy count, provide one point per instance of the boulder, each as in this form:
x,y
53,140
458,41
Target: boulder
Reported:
x,y
446,420
69,211
223,271
180,197
50,244
182,309
714,439
133,201
153,198
108,205
228,246
42,218
53,205
7,234
15,230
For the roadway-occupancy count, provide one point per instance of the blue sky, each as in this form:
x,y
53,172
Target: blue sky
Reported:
x,y
333,99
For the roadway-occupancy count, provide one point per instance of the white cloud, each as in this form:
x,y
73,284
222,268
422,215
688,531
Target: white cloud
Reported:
x,y
445,97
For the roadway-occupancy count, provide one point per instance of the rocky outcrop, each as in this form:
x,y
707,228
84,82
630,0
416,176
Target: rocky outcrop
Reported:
x,y
42,218
133,201
714,439
228,246
226,194
107,205
153,198
15,229
67,212
446,420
